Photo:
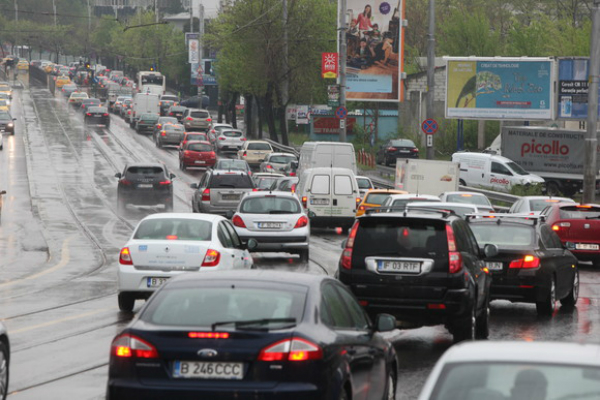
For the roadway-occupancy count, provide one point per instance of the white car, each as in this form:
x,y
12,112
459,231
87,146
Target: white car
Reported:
x,y
276,221
481,201
230,139
535,204
399,201
264,180
277,162
364,185
511,370
166,244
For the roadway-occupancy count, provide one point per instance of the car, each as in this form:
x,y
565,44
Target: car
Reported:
x,y
375,198
195,119
230,139
86,103
4,362
215,128
146,122
6,97
76,98
97,116
1,140
23,64
422,266
480,200
176,111
287,184
578,227
188,136
220,192
163,121
145,184
193,242
364,185
125,109
277,162
170,134
68,89
399,201
532,265
396,148
4,105
517,370
196,102
463,210
253,335
5,88
225,164
166,101
535,204
7,123
62,81
196,154
264,180
116,106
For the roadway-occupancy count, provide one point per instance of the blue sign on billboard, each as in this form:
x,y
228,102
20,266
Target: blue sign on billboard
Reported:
x,y
573,88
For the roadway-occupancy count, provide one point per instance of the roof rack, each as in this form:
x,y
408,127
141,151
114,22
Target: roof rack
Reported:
x,y
535,218
404,210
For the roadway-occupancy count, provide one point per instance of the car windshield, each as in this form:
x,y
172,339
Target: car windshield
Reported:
x,y
282,159
232,134
259,146
376,198
540,204
199,114
238,165
199,147
517,169
270,204
496,380
231,181
173,229
195,136
363,183
579,212
203,306
468,199
505,236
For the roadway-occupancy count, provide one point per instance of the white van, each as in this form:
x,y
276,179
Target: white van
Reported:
x,y
489,171
144,103
330,196
326,154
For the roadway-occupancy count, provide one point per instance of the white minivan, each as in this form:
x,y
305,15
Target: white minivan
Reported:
x,y
489,171
330,196
326,154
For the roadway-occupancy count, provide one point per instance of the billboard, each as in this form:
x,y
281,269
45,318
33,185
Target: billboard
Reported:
x,y
499,88
572,102
374,43
331,125
329,65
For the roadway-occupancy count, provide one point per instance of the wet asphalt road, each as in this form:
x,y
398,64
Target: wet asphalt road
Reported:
x,y
59,242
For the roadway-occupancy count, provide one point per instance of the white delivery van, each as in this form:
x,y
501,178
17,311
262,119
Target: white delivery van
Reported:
x,y
144,103
329,196
326,154
426,176
489,171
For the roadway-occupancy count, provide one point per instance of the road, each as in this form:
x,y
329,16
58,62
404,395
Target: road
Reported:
x,y
61,234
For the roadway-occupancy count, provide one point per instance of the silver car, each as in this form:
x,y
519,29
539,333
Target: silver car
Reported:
x,y
220,192
196,120
277,162
231,139
169,135
276,221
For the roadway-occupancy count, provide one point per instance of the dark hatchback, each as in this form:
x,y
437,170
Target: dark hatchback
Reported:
x,y
87,103
145,184
176,111
422,266
252,335
532,265
97,116
396,148
146,123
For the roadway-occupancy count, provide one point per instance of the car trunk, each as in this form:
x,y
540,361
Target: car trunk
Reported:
x,y
270,222
168,255
199,157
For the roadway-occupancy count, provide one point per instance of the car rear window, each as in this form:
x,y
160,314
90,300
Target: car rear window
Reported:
x,y
238,165
469,199
174,128
540,204
144,171
199,114
167,120
579,212
363,183
270,205
265,182
401,237
401,203
231,181
461,211
259,146
505,236
223,302
376,198
282,159
169,98
402,143
149,117
174,229
232,134
320,184
98,110
199,147
342,184
196,137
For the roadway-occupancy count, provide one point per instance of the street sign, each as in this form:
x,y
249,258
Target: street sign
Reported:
x,y
343,123
341,112
429,140
429,126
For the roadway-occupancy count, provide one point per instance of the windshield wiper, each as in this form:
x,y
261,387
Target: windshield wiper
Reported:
x,y
244,324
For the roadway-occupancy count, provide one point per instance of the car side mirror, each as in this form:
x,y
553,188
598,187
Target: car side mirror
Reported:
x,y
172,176
252,244
490,250
229,214
118,175
385,323
194,185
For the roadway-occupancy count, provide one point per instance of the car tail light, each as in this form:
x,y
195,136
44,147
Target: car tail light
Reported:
x,y
454,257
125,257
292,174
268,166
88,114
415,150
296,349
163,133
293,189
245,153
189,119
208,335
302,222
212,154
208,119
238,221
186,153
206,195
243,139
347,253
358,200
221,138
160,103
391,149
559,225
526,262
171,113
165,183
128,112
304,201
105,115
130,346
212,258
125,182
362,208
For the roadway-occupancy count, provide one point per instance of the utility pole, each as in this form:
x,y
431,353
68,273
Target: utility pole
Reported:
x,y
191,16
54,8
591,137
342,61
156,11
431,72
285,84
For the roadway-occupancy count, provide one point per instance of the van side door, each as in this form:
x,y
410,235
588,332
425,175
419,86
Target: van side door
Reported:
x,y
344,195
500,177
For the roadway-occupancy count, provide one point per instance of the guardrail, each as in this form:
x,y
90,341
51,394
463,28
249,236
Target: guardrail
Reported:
x,y
283,148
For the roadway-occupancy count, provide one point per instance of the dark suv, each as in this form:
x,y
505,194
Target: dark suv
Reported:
x,y
145,184
422,266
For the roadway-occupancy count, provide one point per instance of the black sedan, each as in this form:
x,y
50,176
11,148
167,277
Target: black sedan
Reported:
x,y
7,122
252,335
97,116
532,265
396,148
87,103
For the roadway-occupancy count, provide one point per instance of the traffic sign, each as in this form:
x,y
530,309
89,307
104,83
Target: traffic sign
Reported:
x,y
341,112
343,123
429,140
429,126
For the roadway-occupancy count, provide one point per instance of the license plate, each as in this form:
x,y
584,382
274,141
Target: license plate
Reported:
x,y
145,185
403,151
230,197
155,282
97,115
208,370
586,246
319,202
200,162
493,266
413,267
269,225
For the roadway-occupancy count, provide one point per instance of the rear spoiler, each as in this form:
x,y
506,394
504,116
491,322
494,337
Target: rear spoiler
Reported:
x,y
499,217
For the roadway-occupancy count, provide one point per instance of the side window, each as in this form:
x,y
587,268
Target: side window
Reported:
x,y
356,312
320,184
515,206
326,314
342,184
224,236
472,239
235,239
498,168
462,240
545,237
557,244
338,312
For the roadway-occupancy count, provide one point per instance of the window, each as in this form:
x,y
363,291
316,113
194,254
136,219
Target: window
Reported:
x,y
235,239
270,204
337,309
342,185
508,236
259,146
199,114
199,147
232,134
224,236
356,312
498,168
320,184
138,172
231,181
173,229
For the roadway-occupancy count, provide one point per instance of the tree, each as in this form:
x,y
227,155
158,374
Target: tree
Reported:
x,y
468,33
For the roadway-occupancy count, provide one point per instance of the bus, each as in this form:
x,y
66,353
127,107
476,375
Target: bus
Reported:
x,y
152,79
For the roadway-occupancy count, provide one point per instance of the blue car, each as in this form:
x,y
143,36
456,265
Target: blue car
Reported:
x,y
253,335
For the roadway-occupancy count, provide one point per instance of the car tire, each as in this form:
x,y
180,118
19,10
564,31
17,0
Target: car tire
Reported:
x,y
304,256
387,162
462,183
126,302
390,389
4,371
482,324
573,295
546,307
159,144
465,327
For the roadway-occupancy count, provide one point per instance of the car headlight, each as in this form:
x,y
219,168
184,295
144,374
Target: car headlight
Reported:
x,y
10,125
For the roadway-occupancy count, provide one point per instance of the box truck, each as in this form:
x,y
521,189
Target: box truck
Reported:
x,y
426,176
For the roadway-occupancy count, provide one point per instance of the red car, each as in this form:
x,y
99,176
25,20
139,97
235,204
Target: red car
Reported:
x,y
197,154
578,227
196,136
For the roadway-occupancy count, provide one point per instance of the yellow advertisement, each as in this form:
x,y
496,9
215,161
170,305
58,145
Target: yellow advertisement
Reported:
x,y
462,84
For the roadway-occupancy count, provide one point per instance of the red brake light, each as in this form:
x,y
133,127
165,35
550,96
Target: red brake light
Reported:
x,y
186,153
362,208
189,119
158,126
125,257
556,227
211,259
221,138
125,182
105,115
245,153
347,253
454,257
164,183
208,335
208,119
391,148
238,221
172,237
88,114
302,222
269,166
243,139
171,113
206,195
296,349
528,261
131,346
163,133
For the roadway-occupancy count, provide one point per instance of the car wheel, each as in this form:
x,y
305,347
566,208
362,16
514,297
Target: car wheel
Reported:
x,y
182,166
462,183
126,302
464,328
4,369
546,306
390,393
482,324
573,295
304,256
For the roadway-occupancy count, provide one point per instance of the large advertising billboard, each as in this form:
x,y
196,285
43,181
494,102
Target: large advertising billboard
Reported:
x,y
573,91
499,88
375,50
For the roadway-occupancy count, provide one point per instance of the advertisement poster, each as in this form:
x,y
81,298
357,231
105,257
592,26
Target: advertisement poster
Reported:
x,y
499,88
302,115
375,50
193,52
572,102
331,125
329,65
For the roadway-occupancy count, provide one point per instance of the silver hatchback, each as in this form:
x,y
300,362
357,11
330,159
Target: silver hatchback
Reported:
x,y
220,192
196,119
230,139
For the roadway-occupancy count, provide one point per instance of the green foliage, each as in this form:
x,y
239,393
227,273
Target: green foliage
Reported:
x,y
522,190
468,32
